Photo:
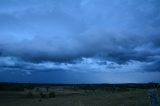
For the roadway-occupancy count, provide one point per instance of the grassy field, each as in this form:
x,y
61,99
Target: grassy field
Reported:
x,y
69,97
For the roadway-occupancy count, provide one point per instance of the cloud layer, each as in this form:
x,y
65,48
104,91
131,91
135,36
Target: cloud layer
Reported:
x,y
83,35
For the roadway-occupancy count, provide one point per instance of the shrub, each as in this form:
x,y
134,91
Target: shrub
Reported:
x,y
52,95
42,95
30,94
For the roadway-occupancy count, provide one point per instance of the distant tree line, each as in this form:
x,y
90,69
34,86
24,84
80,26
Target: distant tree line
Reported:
x,y
22,86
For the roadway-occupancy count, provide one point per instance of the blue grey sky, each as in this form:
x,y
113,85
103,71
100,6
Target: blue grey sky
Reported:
x,y
80,41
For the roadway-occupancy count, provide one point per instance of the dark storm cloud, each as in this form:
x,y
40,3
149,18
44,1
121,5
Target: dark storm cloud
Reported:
x,y
121,31
154,65
85,65
14,64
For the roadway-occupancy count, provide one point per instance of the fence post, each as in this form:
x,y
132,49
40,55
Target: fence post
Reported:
x,y
153,96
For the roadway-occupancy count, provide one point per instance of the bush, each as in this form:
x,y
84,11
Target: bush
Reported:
x,y
30,94
52,95
42,95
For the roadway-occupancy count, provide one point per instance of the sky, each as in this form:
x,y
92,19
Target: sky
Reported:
x,y
80,41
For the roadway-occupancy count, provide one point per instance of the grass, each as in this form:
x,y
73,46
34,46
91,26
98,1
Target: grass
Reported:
x,y
82,98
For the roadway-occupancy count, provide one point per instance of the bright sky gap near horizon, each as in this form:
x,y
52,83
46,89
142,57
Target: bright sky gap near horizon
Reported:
x,y
80,41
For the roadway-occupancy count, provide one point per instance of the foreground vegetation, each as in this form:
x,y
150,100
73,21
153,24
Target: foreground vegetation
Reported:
x,y
75,95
